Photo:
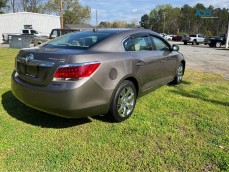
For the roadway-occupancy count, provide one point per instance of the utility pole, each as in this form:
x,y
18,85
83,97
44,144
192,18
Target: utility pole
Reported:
x,y
227,41
163,15
61,15
96,19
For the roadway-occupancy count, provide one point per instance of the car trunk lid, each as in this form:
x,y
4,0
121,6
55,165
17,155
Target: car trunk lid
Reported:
x,y
37,66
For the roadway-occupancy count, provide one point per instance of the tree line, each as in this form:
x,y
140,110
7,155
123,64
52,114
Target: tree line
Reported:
x,y
73,11
173,20
163,18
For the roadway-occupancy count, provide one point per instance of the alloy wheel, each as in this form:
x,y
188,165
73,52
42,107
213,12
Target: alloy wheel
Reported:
x,y
126,101
180,72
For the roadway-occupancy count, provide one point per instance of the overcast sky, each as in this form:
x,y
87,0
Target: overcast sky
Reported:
x,y
128,10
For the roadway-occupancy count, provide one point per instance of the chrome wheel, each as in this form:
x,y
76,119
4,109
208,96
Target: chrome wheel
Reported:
x,y
180,73
123,102
218,44
126,101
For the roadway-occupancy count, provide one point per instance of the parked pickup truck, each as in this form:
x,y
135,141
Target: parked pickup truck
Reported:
x,y
216,41
54,33
195,39
5,36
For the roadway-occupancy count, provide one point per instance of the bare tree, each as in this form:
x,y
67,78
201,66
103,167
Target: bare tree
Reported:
x,y
12,3
31,5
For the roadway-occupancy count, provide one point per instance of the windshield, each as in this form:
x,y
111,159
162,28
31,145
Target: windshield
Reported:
x,y
79,40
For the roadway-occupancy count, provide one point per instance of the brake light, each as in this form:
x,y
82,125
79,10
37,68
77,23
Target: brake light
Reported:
x,y
80,71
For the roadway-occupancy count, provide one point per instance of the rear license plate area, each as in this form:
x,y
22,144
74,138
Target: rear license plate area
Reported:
x,y
32,71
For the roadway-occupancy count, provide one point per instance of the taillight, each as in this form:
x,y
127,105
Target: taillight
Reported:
x,y
78,71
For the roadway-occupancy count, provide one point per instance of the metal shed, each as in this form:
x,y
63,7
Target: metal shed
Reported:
x,y
15,22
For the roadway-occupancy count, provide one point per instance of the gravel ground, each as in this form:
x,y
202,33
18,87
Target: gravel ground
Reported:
x,y
206,59
201,58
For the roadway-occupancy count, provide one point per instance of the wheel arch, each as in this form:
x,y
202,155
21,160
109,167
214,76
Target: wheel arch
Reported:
x,y
184,63
134,81
129,78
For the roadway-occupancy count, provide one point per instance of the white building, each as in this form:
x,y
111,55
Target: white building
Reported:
x,y
15,22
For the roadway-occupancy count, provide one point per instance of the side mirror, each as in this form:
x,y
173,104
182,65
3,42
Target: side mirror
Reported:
x,y
53,36
175,48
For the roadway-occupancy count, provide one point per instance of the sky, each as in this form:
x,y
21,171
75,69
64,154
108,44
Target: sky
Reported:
x,y
132,10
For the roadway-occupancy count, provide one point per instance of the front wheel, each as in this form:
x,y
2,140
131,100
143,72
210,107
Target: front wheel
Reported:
x,y
218,44
179,75
124,100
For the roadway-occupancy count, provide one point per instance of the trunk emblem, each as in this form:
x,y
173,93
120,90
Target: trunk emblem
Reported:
x,y
28,58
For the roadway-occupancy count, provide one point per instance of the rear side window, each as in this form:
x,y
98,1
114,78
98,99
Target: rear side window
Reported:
x,y
138,44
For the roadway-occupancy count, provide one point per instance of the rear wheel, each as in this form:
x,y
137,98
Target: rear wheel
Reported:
x,y
185,43
194,42
179,75
123,102
218,44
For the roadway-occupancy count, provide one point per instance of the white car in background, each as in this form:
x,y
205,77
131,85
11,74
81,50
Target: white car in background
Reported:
x,y
163,35
169,37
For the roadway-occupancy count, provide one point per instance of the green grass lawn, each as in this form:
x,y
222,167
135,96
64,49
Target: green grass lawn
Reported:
x,y
175,128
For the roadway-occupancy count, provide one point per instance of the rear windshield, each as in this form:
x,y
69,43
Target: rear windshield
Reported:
x,y
79,40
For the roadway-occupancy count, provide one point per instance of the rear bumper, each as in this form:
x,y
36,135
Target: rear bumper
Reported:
x,y
67,99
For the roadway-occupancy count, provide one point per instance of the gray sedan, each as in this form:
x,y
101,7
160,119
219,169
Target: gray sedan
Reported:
x,y
95,72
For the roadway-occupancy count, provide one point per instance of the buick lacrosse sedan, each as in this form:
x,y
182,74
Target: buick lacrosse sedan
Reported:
x,y
95,72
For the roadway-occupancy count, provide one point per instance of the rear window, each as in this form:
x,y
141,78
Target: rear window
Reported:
x,y
79,40
25,31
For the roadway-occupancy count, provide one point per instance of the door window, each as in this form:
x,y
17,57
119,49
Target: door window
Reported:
x,y
140,43
25,31
158,44
33,32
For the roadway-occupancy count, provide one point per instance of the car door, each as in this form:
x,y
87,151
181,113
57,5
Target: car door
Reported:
x,y
147,62
168,63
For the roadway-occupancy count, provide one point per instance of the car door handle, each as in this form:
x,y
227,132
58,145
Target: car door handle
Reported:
x,y
140,63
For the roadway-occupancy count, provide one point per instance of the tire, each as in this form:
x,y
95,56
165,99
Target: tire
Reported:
x,y
123,102
197,43
218,44
179,75
185,43
194,42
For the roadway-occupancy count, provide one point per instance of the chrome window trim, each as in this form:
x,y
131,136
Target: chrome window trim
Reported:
x,y
78,64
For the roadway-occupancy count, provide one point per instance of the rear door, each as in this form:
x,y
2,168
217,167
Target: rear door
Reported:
x,y
147,62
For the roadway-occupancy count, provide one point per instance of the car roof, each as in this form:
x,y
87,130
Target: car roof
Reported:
x,y
117,30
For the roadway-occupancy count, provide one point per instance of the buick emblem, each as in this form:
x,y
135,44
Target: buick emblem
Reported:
x,y
28,58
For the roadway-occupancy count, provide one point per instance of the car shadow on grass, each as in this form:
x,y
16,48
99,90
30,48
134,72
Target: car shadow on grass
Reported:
x,y
186,94
18,110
